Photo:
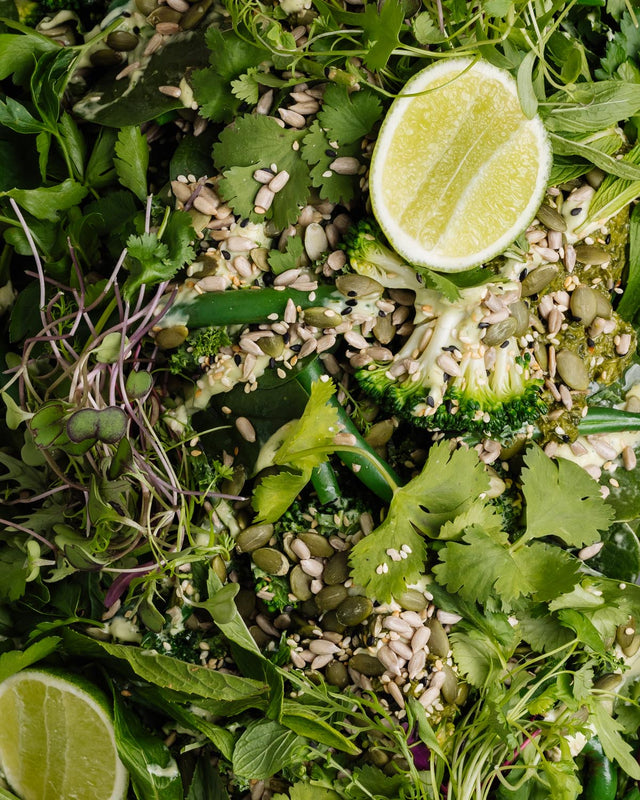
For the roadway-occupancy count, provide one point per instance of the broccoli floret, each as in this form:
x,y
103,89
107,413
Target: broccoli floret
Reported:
x,y
445,377
197,350
90,11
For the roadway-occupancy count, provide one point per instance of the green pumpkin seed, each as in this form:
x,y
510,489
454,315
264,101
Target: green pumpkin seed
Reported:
x,y
590,254
449,688
300,583
603,306
219,568
169,338
330,623
105,58
380,433
259,636
254,537
626,633
584,303
310,609
234,484
378,757
318,546
336,674
123,41
367,664
541,355
438,641
520,312
572,370
193,16
146,6
358,286
462,694
271,345
632,648
330,597
384,329
538,279
412,600
271,560
551,218
163,14
336,570
320,317
354,610
500,332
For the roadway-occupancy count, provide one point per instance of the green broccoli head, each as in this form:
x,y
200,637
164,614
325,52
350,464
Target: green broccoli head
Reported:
x,y
370,257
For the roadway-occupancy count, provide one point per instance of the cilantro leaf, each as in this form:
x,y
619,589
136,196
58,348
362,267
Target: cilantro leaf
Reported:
x,y
245,87
254,141
614,746
316,428
132,160
449,483
230,54
316,152
477,656
345,117
562,501
150,260
280,262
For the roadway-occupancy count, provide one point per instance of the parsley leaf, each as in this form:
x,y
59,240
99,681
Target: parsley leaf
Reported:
x,y
448,485
132,160
317,152
562,500
254,141
345,117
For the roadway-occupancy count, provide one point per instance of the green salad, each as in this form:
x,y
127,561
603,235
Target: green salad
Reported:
x,y
287,515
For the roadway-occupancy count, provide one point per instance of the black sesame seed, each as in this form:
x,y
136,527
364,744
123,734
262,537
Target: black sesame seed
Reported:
x,y
226,255
446,377
448,405
346,311
382,313
272,363
607,239
430,401
296,348
523,274
450,348
352,293
504,344
351,303
268,278
419,277
590,343
331,152
483,324
237,359
244,223
371,640
575,211
566,438
285,337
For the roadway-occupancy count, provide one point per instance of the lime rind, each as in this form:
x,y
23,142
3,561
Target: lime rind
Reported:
x,y
93,701
404,241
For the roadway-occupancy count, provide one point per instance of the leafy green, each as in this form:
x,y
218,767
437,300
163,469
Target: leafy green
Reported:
x,y
266,747
345,117
132,160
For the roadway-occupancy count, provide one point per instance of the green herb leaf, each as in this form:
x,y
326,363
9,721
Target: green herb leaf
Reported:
x,y
477,657
19,53
280,262
590,107
609,733
46,201
345,117
15,660
132,161
266,747
15,116
316,152
565,146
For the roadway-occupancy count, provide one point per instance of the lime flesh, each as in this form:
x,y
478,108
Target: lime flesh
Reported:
x,y
458,170
57,740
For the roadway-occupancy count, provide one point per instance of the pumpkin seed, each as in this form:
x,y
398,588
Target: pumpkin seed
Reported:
x,y
330,597
380,433
219,568
300,583
358,286
320,317
584,304
632,648
603,306
163,14
520,312
438,641
169,338
590,254
271,345
122,41
572,370
193,16
254,537
259,636
336,569
500,331
271,560
330,623
378,757
462,694
412,600
318,546
245,602
608,682
354,610
384,329
449,688
336,674
551,218
146,6
105,58
538,279
367,664
541,355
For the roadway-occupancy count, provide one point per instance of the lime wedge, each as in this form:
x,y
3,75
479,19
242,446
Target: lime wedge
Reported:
x,y
57,740
458,171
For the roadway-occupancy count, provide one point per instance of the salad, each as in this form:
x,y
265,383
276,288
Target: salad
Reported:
x,y
289,515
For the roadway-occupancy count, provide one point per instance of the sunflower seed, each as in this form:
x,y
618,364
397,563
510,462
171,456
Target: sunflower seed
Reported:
x,y
315,241
292,118
300,549
239,244
167,28
321,661
416,663
448,365
170,91
297,660
414,619
398,625
388,659
345,165
402,649
589,552
623,345
322,647
279,182
420,639
602,447
263,106
263,176
429,697
629,458
286,278
565,396
312,567
263,201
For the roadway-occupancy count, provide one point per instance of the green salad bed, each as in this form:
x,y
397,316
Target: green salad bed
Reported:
x,y
299,519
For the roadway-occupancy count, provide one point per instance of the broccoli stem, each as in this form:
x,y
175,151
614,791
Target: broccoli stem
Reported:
x,y
374,473
245,306
601,419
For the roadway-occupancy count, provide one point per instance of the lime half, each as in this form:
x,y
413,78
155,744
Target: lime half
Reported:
x,y
57,740
458,171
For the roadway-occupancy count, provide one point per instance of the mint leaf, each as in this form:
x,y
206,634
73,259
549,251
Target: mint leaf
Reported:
x,y
562,501
345,117
132,160
266,747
